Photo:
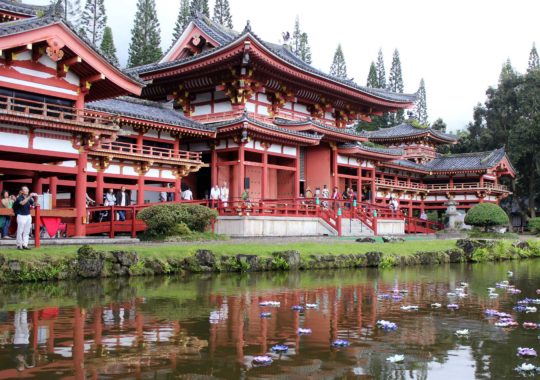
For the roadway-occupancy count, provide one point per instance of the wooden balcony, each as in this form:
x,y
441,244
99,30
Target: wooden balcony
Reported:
x,y
53,115
147,153
436,188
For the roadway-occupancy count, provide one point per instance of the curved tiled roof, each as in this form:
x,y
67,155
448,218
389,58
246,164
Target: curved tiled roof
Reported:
x,y
227,37
271,127
457,162
407,130
19,26
145,110
21,8
372,149
346,131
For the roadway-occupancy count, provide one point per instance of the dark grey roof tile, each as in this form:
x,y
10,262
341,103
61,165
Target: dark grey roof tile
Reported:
x,y
407,130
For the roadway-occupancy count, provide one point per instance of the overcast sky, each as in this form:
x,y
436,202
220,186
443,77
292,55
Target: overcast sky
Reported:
x,y
457,46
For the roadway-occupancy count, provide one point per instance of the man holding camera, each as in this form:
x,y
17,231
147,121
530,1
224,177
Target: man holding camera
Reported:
x,y
21,207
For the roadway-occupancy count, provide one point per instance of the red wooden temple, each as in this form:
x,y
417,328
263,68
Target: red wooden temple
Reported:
x,y
219,107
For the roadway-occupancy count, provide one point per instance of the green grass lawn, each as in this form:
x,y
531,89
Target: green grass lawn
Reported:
x,y
334,247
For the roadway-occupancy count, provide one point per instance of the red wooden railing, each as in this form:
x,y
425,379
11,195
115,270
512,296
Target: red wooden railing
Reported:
x,y
148,151
47,111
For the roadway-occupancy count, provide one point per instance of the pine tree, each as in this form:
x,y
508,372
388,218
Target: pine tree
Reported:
x,y
372,80
439,125
534,61
296,37
183,19
395,84
69,10
395,81
94,20
222,13
421,105
339,67
507,72
107,46
305,49
145,35
381,73
200,6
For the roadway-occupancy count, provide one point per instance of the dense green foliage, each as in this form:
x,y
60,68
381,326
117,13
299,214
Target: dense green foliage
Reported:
x,y
395,84
222,13
486,215
339,67
299,43
200,6
534,224
510,117
94,20
176,219
145,35
372,80
421,104
182,20
107,46
69,10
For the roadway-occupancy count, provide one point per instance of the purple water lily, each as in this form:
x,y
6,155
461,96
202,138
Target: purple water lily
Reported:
x,y
453,306
266,314
340,343
526,352
280,348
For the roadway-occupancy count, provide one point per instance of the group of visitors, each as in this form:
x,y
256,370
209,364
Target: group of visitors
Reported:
x,y
21,204
336,195
220,194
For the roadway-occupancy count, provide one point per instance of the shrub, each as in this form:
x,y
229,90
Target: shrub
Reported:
x,y
534,224
486,215
167,219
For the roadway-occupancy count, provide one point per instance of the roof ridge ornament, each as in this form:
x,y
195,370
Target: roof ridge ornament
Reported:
x,y
247,28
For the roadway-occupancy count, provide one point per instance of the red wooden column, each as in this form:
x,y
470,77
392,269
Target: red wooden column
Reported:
x,y
334,167
373,187
100,184
177,177
80,194
297,174
53,189
214,167
37,184
241,169
359,184
264,182
140,185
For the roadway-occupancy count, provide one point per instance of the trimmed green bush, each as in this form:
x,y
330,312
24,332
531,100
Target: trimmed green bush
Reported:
x,y
534,224
486,215
167,219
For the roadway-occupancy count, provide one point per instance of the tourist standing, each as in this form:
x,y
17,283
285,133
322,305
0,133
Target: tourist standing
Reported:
x,y
187,195
335,196
224,194
309,193
215,195
5,221
21,207
423,215
122,199
110,198
325,195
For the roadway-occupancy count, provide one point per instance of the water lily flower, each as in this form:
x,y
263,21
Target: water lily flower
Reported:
x,y
397,297
491,290
513,291
464,284
520,308
262,360
386,325
530,325
266,314
298,308
502,314
280,348
451,294
502,284
396,359
530,309
526,367
526,352
537,291
453,306
463,332
311,306
491,313
510,273
409,307
506,322
493,295
340,343
436,305
304,331
383,296
270,303
404,291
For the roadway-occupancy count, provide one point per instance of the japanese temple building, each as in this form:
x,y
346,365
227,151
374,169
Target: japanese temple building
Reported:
x,y
219,107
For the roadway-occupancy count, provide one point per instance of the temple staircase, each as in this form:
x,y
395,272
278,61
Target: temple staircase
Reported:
x,y
355,227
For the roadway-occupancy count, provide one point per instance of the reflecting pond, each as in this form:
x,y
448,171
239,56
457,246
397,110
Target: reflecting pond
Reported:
x,y
210,326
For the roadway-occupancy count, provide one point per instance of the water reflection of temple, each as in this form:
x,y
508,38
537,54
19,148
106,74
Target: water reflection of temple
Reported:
x,y
215,332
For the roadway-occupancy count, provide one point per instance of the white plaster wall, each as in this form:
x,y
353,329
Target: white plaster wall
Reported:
x,y
56,145
222,107
342,159
250,107
289,150
153,173
275,148
202,110
129,170
167,174
300,108
390,227
258,145
90,168
113,169
271,226
13,139
69,164
203,97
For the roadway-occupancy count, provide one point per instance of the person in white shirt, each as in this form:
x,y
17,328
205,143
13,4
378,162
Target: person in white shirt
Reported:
x,y
224,194
215,195
187,195
122,199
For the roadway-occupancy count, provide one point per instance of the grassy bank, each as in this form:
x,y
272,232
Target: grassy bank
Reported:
x,y
230,248
60,263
